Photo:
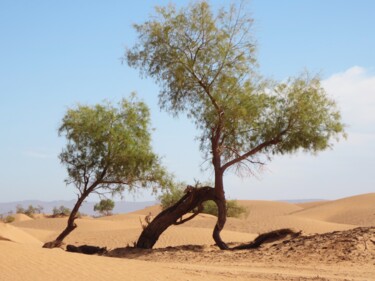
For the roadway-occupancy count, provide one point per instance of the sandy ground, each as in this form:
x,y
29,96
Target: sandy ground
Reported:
x,y
337,243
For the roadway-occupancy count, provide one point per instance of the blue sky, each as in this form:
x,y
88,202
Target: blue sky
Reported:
x,y
54,54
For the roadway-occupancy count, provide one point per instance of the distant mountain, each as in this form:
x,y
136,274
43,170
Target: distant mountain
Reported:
x,y
86,208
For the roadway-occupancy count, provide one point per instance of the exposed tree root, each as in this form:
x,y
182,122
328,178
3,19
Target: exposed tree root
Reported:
x,y
86,249
268,237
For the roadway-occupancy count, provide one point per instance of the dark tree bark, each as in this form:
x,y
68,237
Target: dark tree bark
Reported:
x,y
222,209
191,202
71,225
193,199
221,219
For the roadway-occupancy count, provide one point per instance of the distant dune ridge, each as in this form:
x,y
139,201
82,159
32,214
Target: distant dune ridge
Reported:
x,y
320,254
356,210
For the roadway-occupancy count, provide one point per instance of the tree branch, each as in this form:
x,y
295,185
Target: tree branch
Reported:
x,y
255,150
181,221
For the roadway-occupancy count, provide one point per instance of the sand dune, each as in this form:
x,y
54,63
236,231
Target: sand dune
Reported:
x,y
355,210
122,230
266,216
268,208
306,205
26,262
22,257
12,233
154,210
101,232
21,217
29,263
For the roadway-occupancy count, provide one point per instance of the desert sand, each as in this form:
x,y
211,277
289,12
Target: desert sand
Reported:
x,y
337,243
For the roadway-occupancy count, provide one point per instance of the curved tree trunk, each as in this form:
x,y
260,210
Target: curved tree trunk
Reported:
x,y
220,202
191,200
71,225
221,219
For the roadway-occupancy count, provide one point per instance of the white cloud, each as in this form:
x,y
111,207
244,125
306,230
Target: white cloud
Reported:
x,y
354,90
345,170
356,139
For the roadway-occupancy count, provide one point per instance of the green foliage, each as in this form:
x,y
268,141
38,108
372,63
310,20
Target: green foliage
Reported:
x,y
30,211
109,148
104,207
236,210
205,64
175,193
9,219
171,196
61,211
20,209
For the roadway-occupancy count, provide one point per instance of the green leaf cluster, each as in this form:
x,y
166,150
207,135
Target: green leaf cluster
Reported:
x,y
61,211
30,211
109,148
205,64
104,207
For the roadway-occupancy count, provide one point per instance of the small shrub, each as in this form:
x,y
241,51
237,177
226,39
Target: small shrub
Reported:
x,y
39,209
61,211
104,207
80,215
30,211
9,219
171,196
20,209
234,210
176,192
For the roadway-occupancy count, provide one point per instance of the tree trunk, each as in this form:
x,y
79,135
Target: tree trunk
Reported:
x,y
222,209
221,219
193,199
70,225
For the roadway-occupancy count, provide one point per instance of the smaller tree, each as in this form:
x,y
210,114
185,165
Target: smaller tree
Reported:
x,y
105,207
108,149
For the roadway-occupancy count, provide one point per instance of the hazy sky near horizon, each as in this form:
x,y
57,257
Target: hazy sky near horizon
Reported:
x,y
54,54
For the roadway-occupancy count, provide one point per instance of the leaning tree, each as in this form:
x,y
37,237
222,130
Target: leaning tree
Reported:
x,y
108,150
205,65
